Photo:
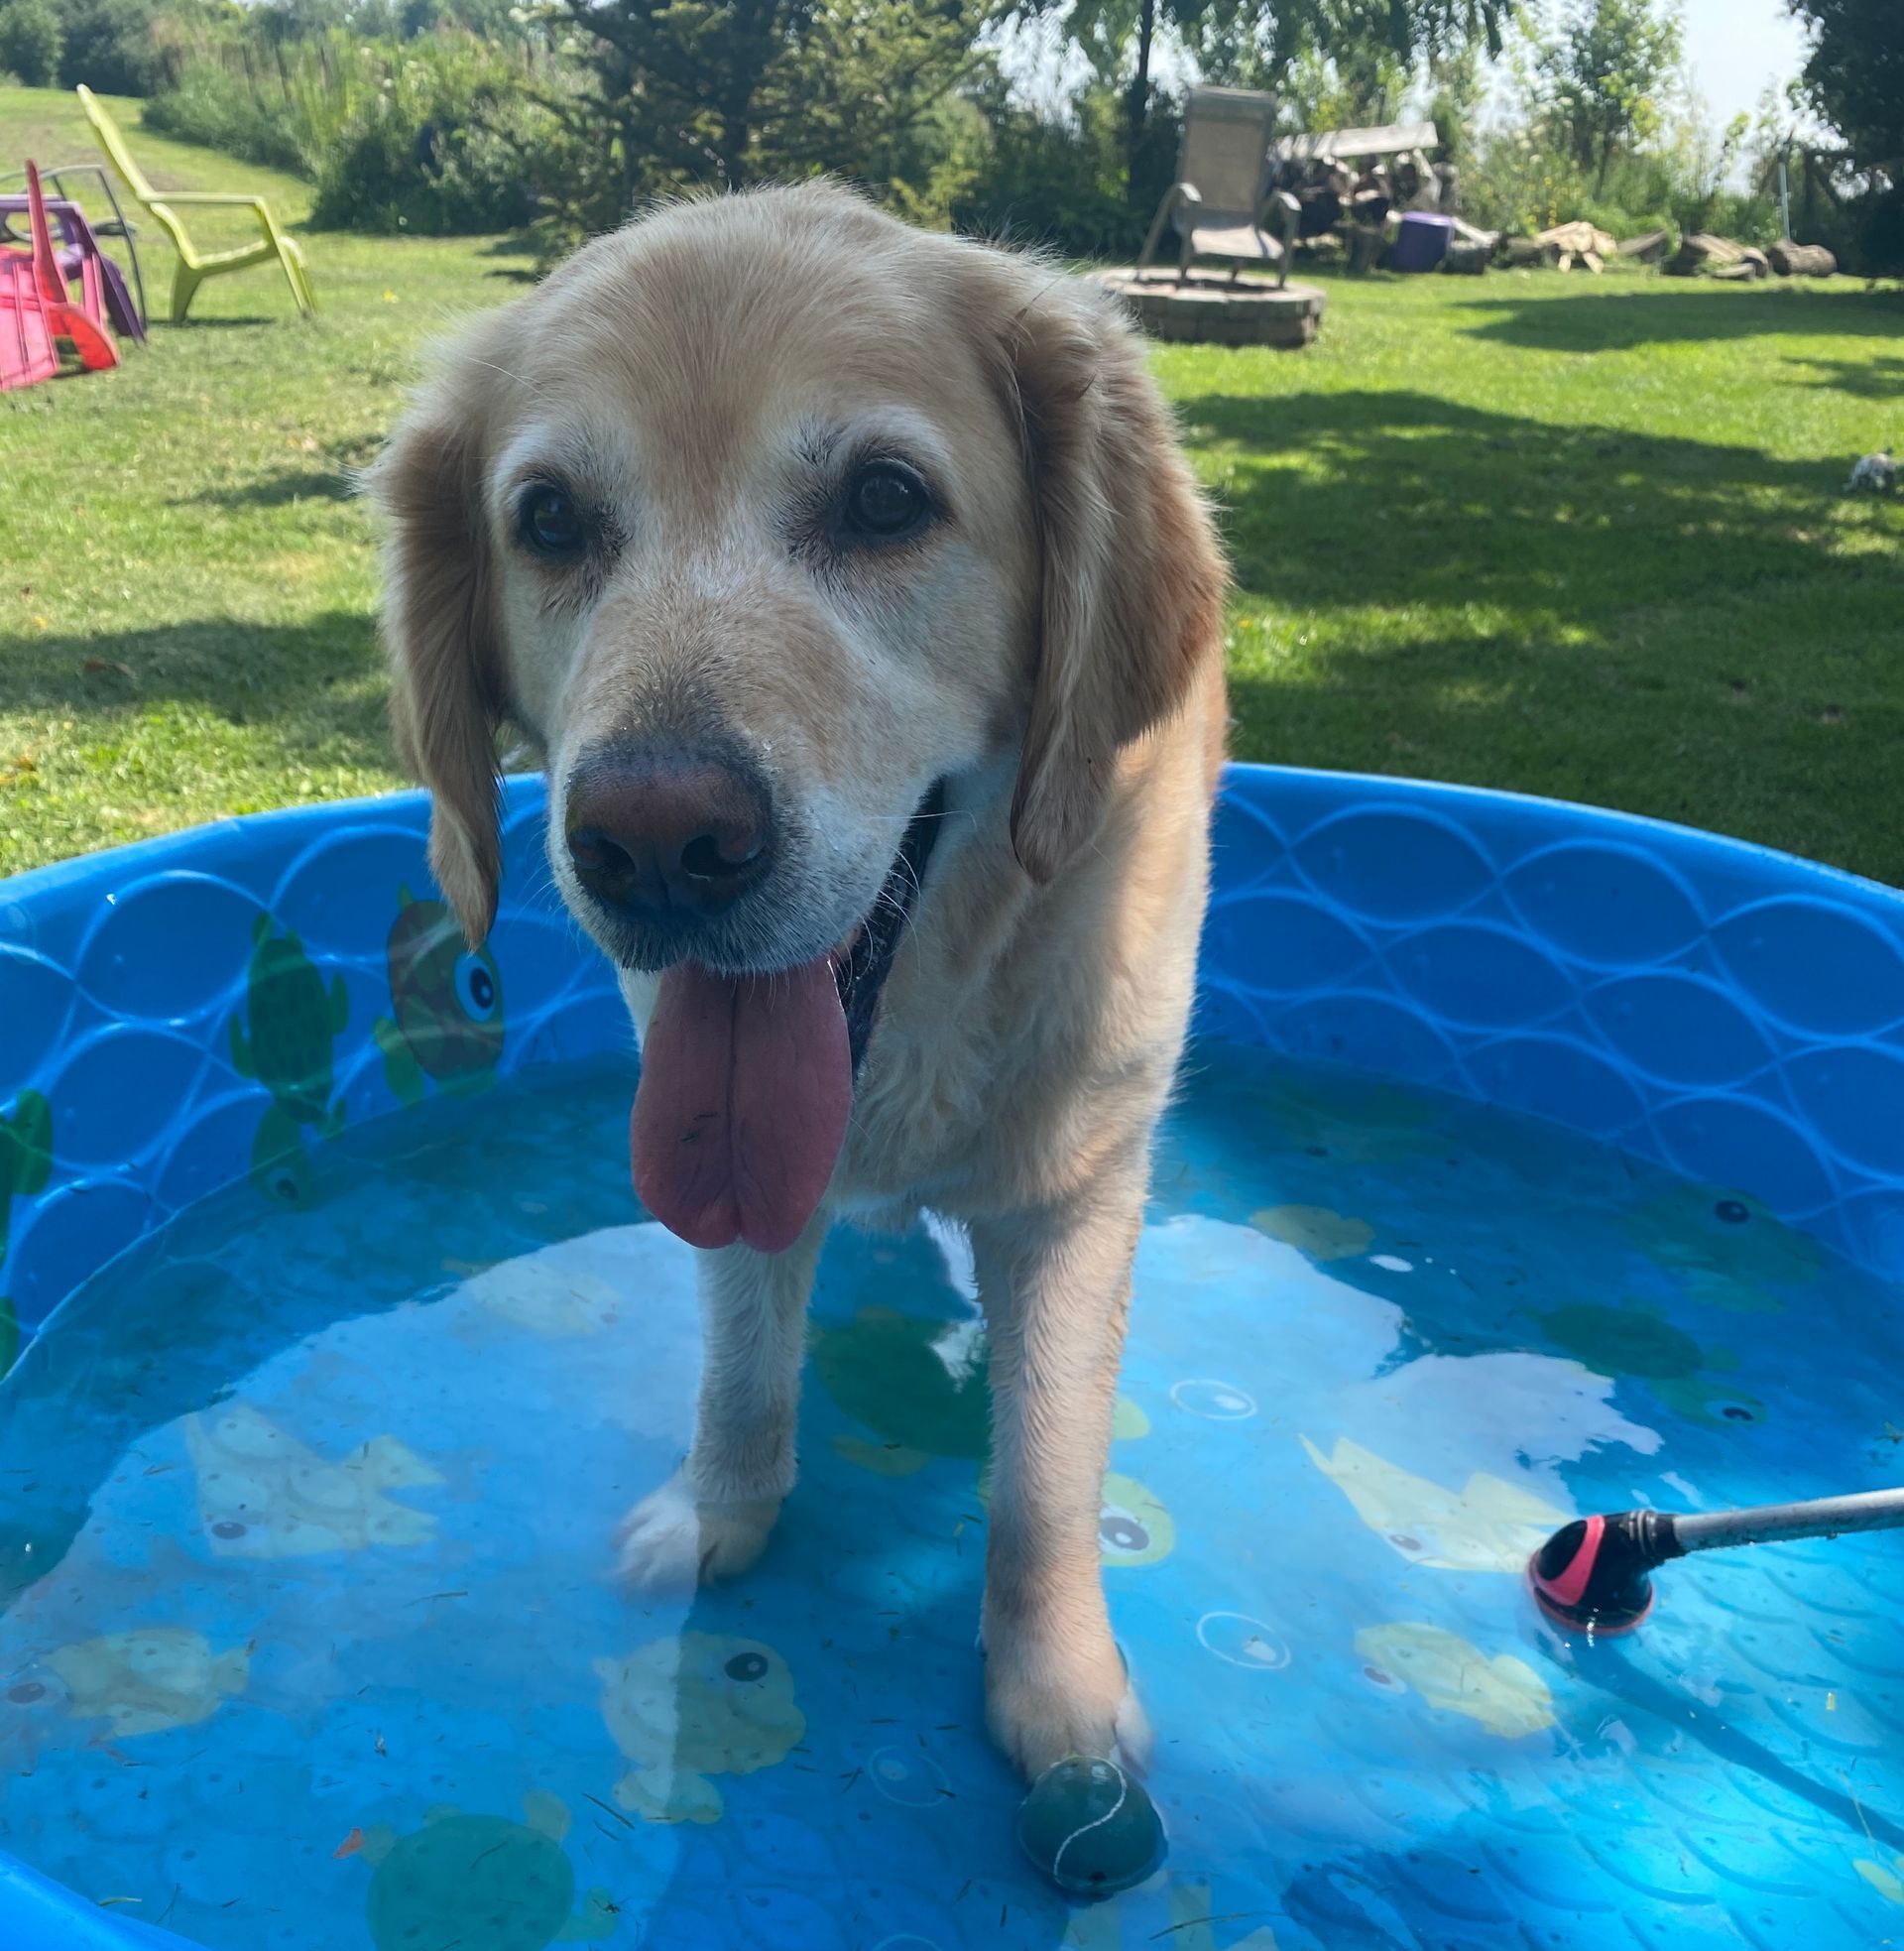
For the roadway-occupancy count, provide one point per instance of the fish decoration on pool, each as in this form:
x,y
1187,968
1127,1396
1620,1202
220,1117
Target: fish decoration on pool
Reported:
x,y
919,1384
1505,1694
687,1709
1316,1231
479,1881
285,1042
1364,1124
1489,1526
544,1292
446,1000
263,1495
144,1683
1134,1526
1888,1883
26,1163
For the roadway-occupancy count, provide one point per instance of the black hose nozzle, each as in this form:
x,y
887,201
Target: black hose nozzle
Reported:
x,y
1591,1574
1592,1577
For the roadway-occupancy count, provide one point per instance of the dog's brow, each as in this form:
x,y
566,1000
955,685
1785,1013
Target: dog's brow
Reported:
x,y
815,444
899,429
578,456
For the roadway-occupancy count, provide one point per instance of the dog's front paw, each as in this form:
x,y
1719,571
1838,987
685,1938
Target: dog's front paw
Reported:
x,y
1048,1697
672,1543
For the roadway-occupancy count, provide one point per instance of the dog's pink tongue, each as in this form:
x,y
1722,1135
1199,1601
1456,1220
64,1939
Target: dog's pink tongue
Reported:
x,y
743,1104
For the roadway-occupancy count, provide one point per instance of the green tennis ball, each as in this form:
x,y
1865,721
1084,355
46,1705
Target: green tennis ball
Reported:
x,y
1089,1827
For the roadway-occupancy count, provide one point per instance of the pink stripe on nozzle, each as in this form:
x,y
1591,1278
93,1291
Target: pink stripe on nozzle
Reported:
x,y
1569,1588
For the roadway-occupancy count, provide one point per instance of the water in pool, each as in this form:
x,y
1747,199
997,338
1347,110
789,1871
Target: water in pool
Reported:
x,y
306,1513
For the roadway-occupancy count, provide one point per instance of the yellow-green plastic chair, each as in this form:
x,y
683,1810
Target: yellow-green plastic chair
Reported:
x,y
195,266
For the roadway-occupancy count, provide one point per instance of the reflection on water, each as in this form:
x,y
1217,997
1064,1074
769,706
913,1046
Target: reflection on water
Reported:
x,y
305,1518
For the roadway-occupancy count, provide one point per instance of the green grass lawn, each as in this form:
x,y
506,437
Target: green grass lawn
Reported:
x,y
1569,535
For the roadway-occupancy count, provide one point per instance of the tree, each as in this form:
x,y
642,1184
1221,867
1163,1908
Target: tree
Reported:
x,y
664,94
1260,43
30,42
1608,75
1854,77
108,44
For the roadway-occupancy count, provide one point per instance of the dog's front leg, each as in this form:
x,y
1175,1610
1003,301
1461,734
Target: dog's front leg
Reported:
x,y
1057,1288
712,1517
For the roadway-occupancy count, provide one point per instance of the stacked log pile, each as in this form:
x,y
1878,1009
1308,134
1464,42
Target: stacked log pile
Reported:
x,y
1791,260
1719,257
1579,243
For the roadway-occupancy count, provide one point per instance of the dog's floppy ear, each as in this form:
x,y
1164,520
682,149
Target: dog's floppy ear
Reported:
x,y
440,629
1132,577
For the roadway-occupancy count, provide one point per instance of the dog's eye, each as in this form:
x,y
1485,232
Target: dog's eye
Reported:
x,y
550,521
885,501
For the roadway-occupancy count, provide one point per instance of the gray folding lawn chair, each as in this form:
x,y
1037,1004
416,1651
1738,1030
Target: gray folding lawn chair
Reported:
x,y
1221,202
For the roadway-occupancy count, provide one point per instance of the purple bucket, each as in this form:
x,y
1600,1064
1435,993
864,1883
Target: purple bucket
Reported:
x,y
1422,242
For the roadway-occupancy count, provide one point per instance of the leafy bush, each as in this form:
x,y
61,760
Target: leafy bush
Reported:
x,y
210,104
108,44
30,42
1059,179
434,134
443,146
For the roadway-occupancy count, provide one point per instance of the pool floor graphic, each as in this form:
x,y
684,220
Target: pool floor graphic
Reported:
x,y
343,1348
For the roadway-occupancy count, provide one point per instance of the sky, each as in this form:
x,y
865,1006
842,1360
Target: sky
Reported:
x,y
1733,48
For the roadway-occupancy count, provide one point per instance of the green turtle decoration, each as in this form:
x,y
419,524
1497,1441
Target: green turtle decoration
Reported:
x,y
1729,1249
292,1021
920,1386
446,1003
481,1882
1637,1342
26,1161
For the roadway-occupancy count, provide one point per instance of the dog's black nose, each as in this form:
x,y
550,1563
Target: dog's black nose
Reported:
x,y
666,838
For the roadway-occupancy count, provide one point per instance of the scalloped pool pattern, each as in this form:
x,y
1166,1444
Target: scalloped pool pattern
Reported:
x,y
1732,1014
122,976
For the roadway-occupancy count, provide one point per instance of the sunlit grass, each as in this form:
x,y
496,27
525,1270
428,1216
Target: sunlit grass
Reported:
x,y
1561,535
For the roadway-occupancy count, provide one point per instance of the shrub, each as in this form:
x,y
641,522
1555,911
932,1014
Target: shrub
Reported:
x,y
435,135
443,145
30,42
211,105
1059,179
108,44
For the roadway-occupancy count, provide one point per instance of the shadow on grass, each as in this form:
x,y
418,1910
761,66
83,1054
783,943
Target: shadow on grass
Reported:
x,y
1615,318
1404,498
278,490
1881,378
331,478
221,324
320,678
522,246
1634,620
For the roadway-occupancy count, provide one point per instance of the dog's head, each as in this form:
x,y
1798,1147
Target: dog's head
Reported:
x,y
765,516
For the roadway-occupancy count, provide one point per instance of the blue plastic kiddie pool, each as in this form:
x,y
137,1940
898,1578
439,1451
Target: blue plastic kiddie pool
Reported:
x,y
1531,1161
